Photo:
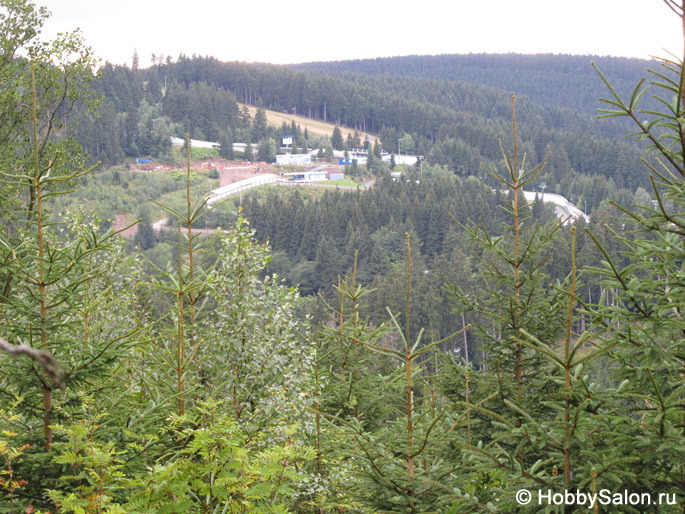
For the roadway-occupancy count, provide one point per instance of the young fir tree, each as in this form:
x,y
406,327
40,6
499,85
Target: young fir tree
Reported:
x,y
394,446
642,329
60,277
527,414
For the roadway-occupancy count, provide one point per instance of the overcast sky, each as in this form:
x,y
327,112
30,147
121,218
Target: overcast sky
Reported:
x,y
313,30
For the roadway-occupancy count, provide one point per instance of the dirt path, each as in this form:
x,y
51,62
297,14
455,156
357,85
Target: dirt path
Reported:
x,y
120,223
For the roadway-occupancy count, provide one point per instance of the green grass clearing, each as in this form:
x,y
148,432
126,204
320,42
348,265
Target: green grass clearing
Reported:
x,y
345,182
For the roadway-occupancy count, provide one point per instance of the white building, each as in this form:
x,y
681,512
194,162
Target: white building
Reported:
x,y
407,160
306,176
194,143
294,159
241,147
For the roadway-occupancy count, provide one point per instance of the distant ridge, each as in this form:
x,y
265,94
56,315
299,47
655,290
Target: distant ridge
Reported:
x,y
549,79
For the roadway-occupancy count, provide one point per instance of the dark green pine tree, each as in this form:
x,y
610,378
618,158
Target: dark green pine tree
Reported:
x,y
354,168
285,129
297,136
379,264
153,88
349,142
249,153
435,233
310,237
328,263
245,117
266,151
372,163
226,144
131,130
377,149
135,60
145,235
260,128
337,139
356,140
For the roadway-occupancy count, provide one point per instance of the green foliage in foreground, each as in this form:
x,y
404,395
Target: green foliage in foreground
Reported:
x,y
215,467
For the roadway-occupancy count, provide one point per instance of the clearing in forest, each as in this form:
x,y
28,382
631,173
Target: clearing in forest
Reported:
x,y
317,127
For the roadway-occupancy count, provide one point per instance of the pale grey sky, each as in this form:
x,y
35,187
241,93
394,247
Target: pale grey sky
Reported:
x,y
310,30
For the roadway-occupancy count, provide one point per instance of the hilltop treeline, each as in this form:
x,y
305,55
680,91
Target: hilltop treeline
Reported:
x,y
566,81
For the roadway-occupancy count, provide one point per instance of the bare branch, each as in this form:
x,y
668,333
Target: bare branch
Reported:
x,y
674,7
45,359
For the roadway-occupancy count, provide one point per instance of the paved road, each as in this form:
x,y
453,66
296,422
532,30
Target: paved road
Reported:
x,y
160,224
564,208
240,186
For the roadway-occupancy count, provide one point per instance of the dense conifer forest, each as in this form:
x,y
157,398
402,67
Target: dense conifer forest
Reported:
x,y
555,80
432,344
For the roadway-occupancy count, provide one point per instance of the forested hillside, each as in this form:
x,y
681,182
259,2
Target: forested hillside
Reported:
x,y
314,240
547,79
434,344
452,122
